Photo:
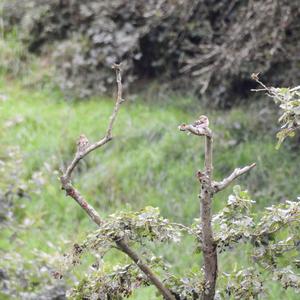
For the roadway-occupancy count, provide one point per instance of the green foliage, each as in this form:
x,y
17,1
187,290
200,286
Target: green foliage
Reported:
x,y
29,279
19,278
288,100
134,227
146,224
233,224
116,285
13,188
275,254
189,287
288,278
243,284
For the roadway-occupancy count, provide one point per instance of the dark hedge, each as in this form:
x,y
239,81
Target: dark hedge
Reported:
x,y
209,47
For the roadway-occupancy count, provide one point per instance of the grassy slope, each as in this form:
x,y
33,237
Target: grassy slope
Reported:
x,y
148,163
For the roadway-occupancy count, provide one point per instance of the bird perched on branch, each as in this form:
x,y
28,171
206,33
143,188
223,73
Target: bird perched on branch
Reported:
x,y
82,143
202,122
199,127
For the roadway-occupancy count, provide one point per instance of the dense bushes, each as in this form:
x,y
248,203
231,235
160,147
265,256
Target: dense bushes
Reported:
x,y
209,47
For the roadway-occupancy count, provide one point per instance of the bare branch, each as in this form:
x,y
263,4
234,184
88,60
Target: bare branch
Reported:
x,y
83,149
75,194
255,77
270,91
123,246
119,101
219,186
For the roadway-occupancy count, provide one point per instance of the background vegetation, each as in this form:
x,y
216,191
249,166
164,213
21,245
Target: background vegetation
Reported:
x,y
148,163
205,47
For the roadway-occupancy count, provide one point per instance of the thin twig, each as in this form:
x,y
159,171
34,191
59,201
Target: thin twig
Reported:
x,y
83,149
255,77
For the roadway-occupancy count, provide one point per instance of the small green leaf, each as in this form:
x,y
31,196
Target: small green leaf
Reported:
x,y
237,189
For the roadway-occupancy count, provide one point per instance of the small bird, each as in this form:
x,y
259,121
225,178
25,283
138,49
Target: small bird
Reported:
x,y
202,122
82,143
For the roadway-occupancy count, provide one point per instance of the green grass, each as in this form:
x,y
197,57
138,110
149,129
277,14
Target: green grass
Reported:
x,y
149,162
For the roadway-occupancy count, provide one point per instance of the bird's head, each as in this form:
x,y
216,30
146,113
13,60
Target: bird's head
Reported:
x,y
203,120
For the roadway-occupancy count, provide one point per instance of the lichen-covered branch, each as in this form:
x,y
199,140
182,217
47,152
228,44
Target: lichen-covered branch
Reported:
x,y
83,149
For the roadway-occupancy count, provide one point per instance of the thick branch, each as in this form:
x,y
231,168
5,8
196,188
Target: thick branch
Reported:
x,y
83,149
208,244
219,186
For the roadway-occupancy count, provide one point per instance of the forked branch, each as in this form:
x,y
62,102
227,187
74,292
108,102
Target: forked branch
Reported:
x,y
83,149
219,186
